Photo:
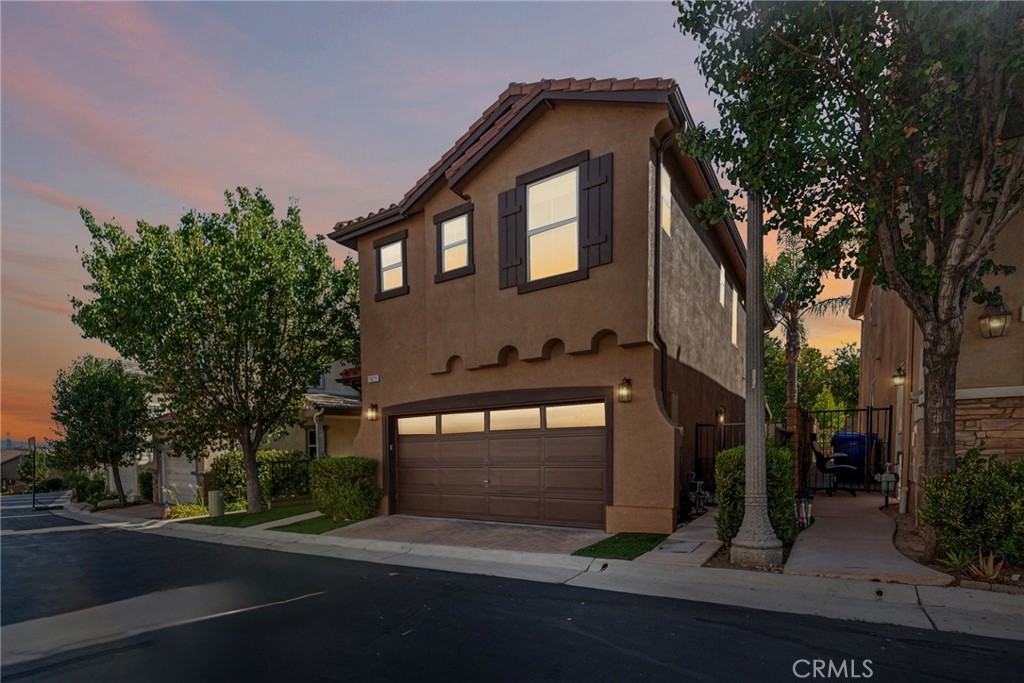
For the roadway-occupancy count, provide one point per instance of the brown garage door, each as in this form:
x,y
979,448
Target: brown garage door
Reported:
x,y
543,465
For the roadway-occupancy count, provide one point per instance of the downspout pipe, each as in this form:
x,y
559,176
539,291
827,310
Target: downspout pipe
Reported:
x,y
318,425
659,341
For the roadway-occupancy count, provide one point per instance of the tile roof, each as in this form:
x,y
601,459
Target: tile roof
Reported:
x,y
516,98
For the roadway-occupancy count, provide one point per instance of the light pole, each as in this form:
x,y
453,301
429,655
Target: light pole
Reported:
x,y
756,544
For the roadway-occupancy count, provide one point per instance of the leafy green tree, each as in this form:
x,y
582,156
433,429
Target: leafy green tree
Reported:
x,y
775,377
232,315
102,417
844,375
799,280
883,134
814,375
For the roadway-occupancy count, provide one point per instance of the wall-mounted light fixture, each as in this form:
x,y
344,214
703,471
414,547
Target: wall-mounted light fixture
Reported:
x,y
372,414
625,392
899,378
995,321
720,417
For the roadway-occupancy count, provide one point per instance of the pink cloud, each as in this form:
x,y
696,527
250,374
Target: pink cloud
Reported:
x,y
55,197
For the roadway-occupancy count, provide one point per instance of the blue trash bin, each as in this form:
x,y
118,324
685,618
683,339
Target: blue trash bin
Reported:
x,y
858,448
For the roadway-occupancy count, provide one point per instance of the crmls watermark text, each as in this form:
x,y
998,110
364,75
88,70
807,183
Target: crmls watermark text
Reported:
x,y
830,668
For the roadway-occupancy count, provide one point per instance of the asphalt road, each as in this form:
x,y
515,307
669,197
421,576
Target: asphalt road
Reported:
x,y
269,616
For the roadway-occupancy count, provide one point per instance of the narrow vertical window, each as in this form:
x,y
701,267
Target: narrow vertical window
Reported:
x,y
454,243
735,316
311,449
721,284
391,275
665,193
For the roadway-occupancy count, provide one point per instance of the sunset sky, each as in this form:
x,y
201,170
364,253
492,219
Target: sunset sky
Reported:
x,y
147,110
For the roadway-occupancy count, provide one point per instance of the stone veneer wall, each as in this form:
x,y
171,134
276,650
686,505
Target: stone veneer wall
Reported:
x,y
999,422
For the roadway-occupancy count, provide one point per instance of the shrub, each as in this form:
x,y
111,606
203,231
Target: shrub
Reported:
x,y
979,504
345,488
86,488
730,475
227,474
146,486
185,510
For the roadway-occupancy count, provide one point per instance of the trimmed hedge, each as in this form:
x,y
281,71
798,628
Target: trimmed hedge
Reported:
x,y
979,504
227,474
345,488
730,477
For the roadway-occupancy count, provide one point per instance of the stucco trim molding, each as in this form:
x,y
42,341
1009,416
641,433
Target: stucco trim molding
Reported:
x,y
989,392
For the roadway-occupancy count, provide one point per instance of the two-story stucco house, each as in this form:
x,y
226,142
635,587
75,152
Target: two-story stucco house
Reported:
x,y
544,320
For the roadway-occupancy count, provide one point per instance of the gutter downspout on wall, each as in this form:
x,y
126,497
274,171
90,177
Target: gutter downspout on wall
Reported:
x,y
659,341
908,414
318,425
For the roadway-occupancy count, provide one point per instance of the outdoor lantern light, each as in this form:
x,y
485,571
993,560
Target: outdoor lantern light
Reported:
x,y
995,321
900,378
372,413
720,416
625,390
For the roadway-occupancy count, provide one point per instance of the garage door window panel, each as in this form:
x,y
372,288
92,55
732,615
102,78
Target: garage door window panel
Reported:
x,y
575,415
409,426
462,423
516,418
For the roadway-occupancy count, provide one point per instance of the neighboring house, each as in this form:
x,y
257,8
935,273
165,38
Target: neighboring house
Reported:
x,y
990,371
328,424
329,418
543,319
12,454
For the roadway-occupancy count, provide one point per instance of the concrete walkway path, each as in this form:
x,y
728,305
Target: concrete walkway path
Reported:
x,y
472,534
692,545
851,538
930,608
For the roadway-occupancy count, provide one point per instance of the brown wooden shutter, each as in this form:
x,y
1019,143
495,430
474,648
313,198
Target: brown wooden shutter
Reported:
x,y
596,211
512,237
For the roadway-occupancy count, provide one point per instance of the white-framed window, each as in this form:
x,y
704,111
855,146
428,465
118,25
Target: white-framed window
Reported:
x,y
721,284
665,193
552,226
455,244
735,317
392,267
311,449
391,272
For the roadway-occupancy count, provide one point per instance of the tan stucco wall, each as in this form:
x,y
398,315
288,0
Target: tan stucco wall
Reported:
x,y
997,362
339,436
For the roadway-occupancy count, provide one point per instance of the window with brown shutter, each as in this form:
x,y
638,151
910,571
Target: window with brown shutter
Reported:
x,y
556,223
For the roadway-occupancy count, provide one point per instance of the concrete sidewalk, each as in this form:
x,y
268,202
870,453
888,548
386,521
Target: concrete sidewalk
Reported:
x,y
930,608
851,538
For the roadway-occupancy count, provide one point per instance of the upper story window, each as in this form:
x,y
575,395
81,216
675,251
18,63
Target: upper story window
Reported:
x,y
552,226
392,279
454,243
556,223
735,317
665,194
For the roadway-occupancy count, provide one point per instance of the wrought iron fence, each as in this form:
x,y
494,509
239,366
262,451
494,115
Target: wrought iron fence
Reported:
x,y
864,435
710,440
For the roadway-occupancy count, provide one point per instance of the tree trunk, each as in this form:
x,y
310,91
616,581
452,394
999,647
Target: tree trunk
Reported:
x,y
253,502
792,359
940,352
119,486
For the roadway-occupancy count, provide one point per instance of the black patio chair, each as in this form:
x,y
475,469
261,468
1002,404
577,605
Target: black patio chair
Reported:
x,y
831,467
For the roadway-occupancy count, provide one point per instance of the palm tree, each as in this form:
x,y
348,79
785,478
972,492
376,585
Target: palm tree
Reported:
x,y
793,284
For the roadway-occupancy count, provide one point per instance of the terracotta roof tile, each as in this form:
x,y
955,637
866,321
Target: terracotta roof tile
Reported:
x,y
526,94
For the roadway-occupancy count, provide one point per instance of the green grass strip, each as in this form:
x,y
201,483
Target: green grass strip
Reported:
x,y
242,520
317,525
625,546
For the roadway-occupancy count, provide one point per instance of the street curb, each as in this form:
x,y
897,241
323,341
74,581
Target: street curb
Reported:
x,y
950,609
